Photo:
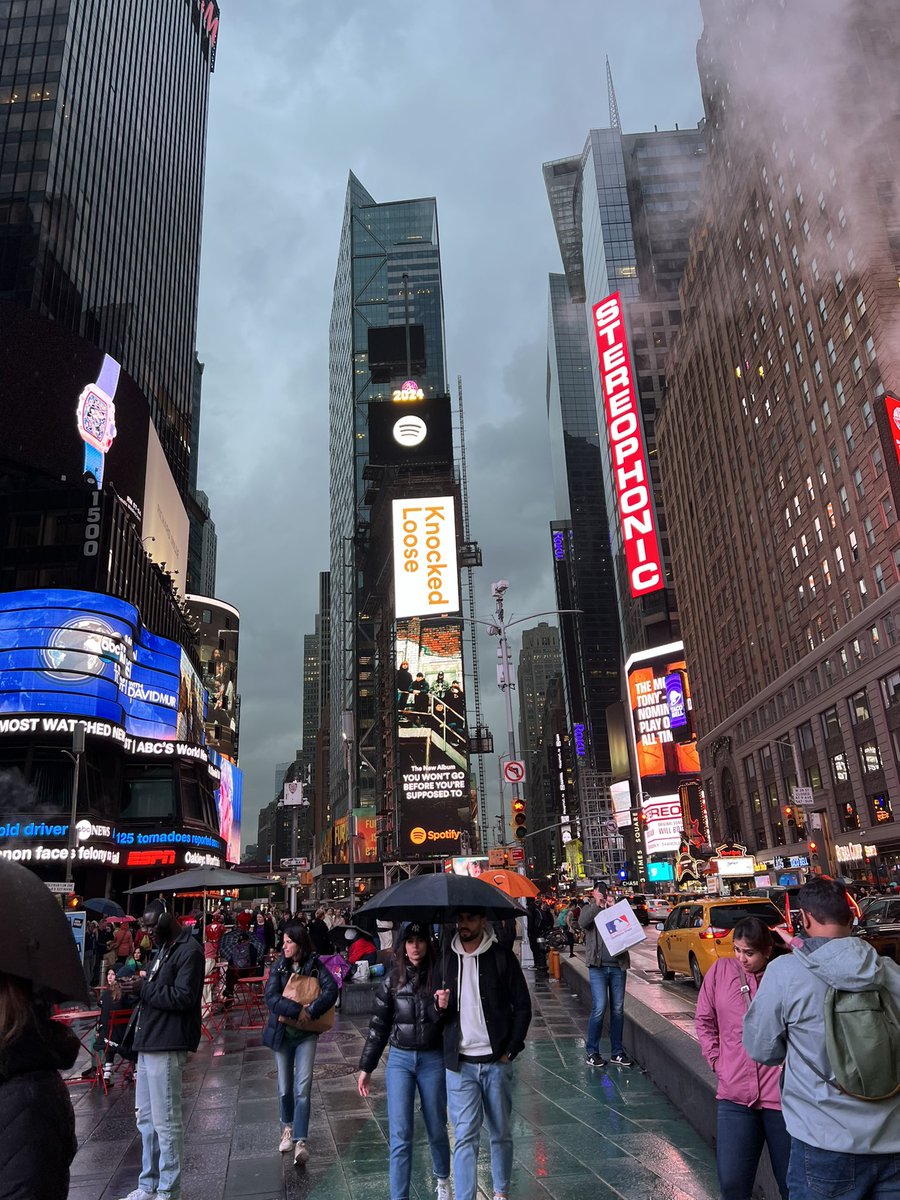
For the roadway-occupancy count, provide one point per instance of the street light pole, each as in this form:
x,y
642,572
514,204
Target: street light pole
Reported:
x,y
347,732
75,754
498,590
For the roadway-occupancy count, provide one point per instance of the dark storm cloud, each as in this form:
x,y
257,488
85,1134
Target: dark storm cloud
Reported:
x,y
463,102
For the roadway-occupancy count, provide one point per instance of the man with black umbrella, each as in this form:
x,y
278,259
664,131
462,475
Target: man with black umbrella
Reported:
x,y
166,1028
489,1011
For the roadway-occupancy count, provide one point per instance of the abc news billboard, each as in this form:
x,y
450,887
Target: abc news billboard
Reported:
x,y
432,740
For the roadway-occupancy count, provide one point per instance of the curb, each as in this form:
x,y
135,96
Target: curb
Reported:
x,y
672,1060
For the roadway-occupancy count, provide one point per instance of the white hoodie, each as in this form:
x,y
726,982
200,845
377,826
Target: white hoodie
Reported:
x,y
474,1040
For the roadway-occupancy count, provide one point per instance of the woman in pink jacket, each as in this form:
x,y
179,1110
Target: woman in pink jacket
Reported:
x,y
748,1095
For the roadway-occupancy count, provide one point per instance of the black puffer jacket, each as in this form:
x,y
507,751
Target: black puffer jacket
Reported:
x,y
404,1017
37,1125
168,1015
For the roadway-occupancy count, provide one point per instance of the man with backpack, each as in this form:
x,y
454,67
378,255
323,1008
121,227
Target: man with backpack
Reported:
x,y
830,1011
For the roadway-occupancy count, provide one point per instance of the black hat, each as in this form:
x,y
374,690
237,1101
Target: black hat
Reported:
x,y
601,886
415,929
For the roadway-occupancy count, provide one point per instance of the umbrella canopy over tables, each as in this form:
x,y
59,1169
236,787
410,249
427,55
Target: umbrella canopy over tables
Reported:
x,y
201,879
433,898
106,908
510,882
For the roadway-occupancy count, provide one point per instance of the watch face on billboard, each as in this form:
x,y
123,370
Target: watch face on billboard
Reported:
x,y
660,696
81,654
411,431
432,738
426,573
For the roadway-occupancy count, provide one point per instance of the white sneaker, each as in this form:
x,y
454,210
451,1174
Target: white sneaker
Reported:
x,y
107,1078
443,1190
287,1139
140,1194
301,1154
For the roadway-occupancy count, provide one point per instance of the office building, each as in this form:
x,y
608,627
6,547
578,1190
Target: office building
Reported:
x,y
100,219
778,441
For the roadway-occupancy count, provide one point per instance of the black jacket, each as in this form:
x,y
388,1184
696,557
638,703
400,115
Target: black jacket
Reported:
x,y
37,1125
273,1034
505,1002
168,1014
404,1017
320,936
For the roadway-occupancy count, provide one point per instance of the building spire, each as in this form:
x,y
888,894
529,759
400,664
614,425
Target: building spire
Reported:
x,y
614,122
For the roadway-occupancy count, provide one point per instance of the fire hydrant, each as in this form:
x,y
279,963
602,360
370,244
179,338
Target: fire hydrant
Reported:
x,y
553,963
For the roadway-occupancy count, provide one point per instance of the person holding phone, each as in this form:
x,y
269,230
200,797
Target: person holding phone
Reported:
x,y
607,974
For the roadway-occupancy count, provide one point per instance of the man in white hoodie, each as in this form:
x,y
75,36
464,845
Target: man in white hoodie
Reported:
x,y
842,1147
489,1011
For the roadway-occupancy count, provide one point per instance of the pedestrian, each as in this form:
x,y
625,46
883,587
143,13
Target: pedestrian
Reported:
x,y
294,1048
534,926
607,977
570,926
830,1012
38,965
166,1028
244,957
748,1096
406,1015
319,933
488,1014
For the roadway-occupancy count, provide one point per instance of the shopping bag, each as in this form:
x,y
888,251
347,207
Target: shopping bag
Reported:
x,y
619,927
303,990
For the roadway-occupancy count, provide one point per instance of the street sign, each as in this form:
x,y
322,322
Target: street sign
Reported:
x,y
58,888
517,854
513,771
301,863
802,797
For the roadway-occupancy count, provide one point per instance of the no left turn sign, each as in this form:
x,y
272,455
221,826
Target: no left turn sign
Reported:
x,y
513,771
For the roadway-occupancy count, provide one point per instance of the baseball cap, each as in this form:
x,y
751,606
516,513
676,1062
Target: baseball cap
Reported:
x,y
415,929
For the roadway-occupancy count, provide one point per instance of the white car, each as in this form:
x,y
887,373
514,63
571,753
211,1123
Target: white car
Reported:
x,y
659,907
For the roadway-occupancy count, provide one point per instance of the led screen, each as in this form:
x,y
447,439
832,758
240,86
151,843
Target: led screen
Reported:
x,y
412,431
433,752
658,740
229,802
426,574
81,654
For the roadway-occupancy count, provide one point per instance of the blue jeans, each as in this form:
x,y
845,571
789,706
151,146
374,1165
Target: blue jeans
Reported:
x,y
407,1070
295,1061
815,1173
159,1121
607,984
741,1133
476,1091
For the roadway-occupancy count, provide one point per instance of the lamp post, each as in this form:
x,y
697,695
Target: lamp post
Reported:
x,y
347,733
75,754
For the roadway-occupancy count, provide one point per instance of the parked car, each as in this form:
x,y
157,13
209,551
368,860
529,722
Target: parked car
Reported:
x,y
781,897
641,908
880,925
697,933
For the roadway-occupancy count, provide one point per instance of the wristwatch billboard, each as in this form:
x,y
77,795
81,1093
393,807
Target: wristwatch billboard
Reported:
x,y
96,417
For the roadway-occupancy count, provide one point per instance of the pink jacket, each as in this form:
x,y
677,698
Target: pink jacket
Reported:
x,y
719,1023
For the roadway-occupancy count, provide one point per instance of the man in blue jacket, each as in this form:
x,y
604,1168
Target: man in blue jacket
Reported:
x,y
167,1028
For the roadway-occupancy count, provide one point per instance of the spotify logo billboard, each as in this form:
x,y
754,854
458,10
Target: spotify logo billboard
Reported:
x,y
417,431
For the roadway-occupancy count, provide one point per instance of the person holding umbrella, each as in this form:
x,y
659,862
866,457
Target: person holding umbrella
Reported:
x,y
38,965
406,1016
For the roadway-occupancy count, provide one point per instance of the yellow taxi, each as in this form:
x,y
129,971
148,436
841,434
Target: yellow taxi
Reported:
x,y
698,932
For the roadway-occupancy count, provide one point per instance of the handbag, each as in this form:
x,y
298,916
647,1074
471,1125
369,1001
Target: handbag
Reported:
x,y
303,990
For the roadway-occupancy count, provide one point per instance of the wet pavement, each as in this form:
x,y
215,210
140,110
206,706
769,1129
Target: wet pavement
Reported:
x,y
579,1132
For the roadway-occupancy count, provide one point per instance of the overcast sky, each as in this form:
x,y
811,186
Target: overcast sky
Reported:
x,y
460,101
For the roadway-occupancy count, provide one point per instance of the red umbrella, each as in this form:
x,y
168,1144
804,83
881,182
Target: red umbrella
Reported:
x,y
120,920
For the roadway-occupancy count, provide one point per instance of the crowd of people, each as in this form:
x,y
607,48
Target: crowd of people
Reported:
x,y
805,1046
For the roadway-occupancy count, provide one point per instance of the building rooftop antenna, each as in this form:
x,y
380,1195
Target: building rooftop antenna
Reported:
x,y
614,121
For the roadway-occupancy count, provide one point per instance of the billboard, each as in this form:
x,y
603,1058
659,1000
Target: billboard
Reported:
x,y
426,574
662,820
628,458
660,696
80,654
411,431
229,804
893,411
365,844
470,864
165,527
432,738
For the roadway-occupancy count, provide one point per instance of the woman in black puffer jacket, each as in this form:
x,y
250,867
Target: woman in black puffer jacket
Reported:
x,y
406,1016
37,1125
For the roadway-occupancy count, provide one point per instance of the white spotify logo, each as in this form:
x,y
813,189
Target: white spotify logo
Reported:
x,y
410,431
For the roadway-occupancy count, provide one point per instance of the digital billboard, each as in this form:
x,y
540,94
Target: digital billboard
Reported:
x,y
432,739
365,844
67,654
659,691
643,555
410,431
893,412
426,573
229,804
662,820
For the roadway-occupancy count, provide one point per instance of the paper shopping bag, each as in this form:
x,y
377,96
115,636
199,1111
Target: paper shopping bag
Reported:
x,y
619,927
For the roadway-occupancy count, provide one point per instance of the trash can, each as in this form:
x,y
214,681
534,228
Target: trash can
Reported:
x,y
553,963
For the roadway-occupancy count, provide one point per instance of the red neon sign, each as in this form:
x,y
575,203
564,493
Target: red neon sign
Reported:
x,y
643,556
893,411
150,858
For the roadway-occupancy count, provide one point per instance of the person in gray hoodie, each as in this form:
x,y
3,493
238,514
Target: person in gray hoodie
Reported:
x,y
841,1147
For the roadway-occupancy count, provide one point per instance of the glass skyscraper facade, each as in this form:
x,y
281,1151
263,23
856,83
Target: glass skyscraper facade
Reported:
x,y
388,272
103,113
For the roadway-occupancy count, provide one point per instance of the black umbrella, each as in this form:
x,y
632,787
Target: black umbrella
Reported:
x,y
106,908
432,898
37,942
201,879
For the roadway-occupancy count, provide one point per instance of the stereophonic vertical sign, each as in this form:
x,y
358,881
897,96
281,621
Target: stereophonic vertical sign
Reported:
x,y
893,410
643,555
426,575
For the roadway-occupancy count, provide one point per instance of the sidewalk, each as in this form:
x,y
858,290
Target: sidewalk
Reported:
x,y
579,1132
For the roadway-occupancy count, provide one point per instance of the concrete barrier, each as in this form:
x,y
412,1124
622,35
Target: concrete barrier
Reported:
x,y
674,1062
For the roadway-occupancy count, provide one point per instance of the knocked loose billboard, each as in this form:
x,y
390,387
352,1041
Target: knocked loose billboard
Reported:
x,y
643,555
432,739
426,573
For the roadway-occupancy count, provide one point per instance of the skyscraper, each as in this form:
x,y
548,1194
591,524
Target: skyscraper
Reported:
x,y
539,662
103,125
778,437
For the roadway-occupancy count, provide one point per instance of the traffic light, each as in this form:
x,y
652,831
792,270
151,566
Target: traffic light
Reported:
x,y
518,820
73,901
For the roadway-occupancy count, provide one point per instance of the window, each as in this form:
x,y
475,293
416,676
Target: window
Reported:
x,y
831,725
817,525
868,417
881,808
869,530
849,815
878,574
829,511
830,351
149,795
856,368
838,277
823,310
839,392
839,559
870,349
810,336
869,757
845,503
860,303
858,483
848,437
890,689
854,547
805,734
826,414
859,707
